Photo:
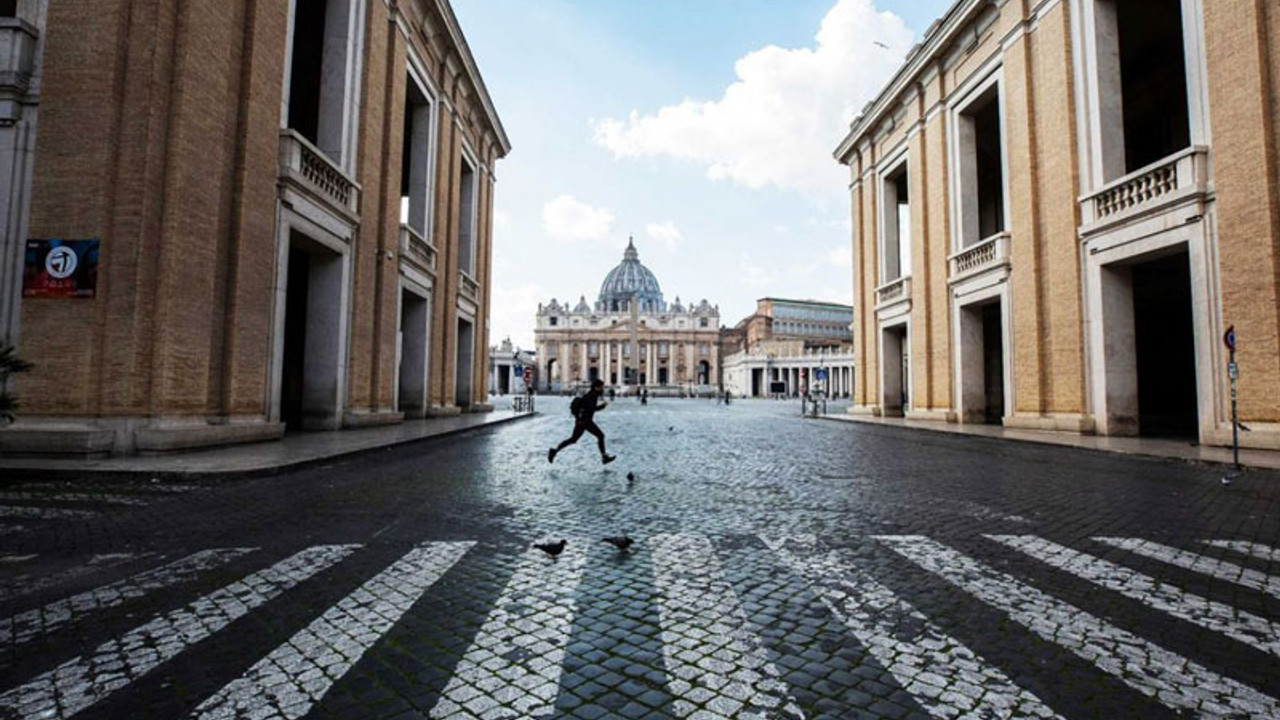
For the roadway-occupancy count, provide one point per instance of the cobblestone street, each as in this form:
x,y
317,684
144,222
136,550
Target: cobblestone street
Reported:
x,y
782,568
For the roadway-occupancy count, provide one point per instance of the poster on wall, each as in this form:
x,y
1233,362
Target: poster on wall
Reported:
x,y
60,269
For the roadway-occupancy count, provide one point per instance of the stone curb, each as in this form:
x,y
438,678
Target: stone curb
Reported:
x,y
27,474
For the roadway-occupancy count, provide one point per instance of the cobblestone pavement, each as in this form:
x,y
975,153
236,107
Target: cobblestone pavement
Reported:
x,y
782,568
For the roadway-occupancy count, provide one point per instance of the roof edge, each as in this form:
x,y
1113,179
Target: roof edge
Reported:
x,y
473,71
936,38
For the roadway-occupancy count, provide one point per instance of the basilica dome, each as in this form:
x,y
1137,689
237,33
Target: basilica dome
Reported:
x,y
631,278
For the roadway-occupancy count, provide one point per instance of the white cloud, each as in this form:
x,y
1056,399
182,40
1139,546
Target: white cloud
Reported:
x,y
752,274
666,234
779,122
501,219
841,256
567,218
513,312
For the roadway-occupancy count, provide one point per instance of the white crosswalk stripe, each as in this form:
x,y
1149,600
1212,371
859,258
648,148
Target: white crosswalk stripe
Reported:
x,y
14,558
296,675
1202,564
24,626
1152,670
72,497
713,657
518,654
28,585
1244,547
83,681
1236,624
21,512
940,672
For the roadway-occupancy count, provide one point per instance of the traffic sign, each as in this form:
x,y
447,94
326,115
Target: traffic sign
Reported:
x,y
822,373
1229,338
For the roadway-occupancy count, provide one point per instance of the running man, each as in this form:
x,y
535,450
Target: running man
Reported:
x,y
584,410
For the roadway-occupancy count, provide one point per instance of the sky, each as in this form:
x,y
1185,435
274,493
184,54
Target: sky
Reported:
x,y
703,128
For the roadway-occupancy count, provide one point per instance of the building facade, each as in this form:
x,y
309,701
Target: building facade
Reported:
x,y
1060,207
811,323
290,206
788,348
790,372
506,368
630,338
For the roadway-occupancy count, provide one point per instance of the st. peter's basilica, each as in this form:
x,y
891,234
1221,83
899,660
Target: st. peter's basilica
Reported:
x,y
630,338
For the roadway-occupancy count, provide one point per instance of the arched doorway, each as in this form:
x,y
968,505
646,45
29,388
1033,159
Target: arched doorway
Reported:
x,y
551,383
704,373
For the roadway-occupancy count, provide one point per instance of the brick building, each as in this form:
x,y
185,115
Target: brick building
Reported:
x,y
1059,208
292,202
789,347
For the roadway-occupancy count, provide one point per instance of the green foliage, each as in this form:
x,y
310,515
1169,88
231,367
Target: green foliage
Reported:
x,y
10,364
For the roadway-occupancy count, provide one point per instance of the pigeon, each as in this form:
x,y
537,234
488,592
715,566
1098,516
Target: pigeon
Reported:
x,y
553,549
631,477
622,542
671,428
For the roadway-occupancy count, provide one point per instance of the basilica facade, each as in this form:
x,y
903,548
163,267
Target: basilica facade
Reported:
x,y
630,338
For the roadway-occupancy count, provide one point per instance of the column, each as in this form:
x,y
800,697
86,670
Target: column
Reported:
x,y
605,358
652,372
586,360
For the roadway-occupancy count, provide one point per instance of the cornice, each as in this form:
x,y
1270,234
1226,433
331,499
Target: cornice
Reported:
x,y
938,44
467,60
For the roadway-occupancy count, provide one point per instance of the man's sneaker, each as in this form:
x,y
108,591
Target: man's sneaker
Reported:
x,y
606,459
551,455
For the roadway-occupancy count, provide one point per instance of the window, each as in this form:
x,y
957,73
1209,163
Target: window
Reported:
x,y
1142,61
322,75
896,234
703,350
554,321
8,8
981,168
417,161
664,349
467,182
702,322
593,349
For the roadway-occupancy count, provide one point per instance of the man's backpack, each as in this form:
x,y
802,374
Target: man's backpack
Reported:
x,y
575,406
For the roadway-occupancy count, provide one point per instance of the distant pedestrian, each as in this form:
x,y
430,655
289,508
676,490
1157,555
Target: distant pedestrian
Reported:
x,y
584,409
610,394
644,396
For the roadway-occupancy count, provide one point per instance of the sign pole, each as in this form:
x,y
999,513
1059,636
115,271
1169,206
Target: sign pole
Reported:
x,y
1233,372
1235,417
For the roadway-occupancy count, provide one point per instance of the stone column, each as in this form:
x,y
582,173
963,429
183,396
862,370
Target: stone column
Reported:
x,y
605,359
651,373
20,88
586,360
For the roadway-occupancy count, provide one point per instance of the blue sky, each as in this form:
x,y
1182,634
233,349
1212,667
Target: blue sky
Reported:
x,y
702,127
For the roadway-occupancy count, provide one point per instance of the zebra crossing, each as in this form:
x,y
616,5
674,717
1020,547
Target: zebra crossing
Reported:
x,y
716,660
32,507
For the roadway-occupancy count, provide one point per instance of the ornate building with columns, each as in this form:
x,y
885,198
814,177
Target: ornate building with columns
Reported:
x,y
630,338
